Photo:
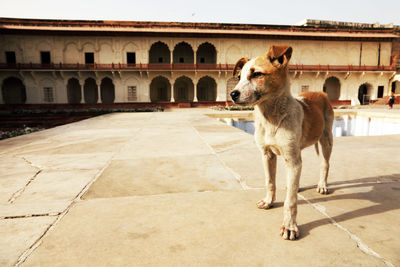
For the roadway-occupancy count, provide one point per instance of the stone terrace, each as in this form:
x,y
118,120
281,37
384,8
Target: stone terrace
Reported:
x,y
179,189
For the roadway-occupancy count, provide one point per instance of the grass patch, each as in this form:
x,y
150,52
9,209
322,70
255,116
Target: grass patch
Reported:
x,y
233,108
4,134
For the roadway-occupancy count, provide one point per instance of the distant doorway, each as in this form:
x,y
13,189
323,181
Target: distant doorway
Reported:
x,y
107,90
13,91
364,93
90,91
74,91
332,88
183,89
160,89
206,89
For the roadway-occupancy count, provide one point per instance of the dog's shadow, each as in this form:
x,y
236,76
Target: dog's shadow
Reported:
x,y
383,192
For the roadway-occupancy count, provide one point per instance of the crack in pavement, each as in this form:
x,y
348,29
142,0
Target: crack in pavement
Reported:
x,y
360,244
77,198
30,215
238,177
18,193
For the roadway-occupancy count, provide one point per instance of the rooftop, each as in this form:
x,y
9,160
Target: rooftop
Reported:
x,y
311,29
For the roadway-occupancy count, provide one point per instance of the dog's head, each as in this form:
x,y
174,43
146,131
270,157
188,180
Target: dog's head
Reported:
x,y
261,77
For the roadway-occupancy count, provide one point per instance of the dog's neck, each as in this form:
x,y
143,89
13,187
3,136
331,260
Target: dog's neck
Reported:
x,y
275,107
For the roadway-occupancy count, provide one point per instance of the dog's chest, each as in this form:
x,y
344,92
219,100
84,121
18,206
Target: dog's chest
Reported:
x,y
267,136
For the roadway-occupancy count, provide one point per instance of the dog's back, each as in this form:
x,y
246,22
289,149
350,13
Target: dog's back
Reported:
x,y
318,116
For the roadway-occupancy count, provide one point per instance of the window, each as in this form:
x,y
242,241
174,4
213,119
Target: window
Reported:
x,y
130,58
48,95
89,58
10,57
160,60
132,93
304,88
181,60
45,57
380,91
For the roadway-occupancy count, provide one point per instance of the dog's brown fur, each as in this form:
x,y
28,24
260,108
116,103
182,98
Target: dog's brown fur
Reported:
x,y
284,125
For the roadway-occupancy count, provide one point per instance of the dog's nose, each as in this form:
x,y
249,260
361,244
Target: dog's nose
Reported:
x,y
235,95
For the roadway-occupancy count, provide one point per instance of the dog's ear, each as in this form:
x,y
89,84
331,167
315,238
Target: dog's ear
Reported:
x,y
239,65
279,54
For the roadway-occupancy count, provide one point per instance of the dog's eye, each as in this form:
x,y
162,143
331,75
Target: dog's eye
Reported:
x,y
257,74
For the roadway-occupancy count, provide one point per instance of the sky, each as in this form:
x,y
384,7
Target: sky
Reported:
x,y
281,12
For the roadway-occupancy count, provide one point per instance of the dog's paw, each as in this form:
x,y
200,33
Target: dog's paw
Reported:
x,y
322,189
262,204
290,233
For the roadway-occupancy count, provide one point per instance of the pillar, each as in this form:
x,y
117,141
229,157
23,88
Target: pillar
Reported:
x,y
195,82
81,83
172,92
98,83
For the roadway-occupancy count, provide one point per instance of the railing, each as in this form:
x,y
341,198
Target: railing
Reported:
x,y
181,66
340,68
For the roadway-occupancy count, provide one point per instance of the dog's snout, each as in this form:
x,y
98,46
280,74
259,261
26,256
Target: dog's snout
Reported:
x,y
235,95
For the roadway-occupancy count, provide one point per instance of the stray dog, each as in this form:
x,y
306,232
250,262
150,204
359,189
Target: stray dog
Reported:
x,y
284,125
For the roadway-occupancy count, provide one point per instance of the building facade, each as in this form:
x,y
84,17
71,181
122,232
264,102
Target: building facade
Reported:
x,y
105,62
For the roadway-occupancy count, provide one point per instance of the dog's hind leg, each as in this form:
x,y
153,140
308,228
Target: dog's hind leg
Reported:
x,y
326,142
269,159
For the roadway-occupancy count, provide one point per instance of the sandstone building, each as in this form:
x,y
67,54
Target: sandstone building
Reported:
x,y
93,62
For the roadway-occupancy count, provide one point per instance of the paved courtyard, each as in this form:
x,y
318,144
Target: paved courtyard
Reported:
x,y
180,189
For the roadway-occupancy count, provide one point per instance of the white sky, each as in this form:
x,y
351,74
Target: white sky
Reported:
x,y
233,11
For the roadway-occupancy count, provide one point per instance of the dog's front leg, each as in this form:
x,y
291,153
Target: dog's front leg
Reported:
x,y
289,229
269,159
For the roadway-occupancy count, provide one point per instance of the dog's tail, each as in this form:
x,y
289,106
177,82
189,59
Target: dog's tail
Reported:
x,y
316,148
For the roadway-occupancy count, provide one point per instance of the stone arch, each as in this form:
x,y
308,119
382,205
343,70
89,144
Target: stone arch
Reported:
x,y
130,47
183,53
183,89
230,85
206,54
332,88
233,53
206,89
159,53
90,91
71,53
160,89
43,46
107,90
74,91
365,93
89,47
13,91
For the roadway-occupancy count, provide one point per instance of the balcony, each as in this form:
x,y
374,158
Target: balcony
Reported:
x,y
180,67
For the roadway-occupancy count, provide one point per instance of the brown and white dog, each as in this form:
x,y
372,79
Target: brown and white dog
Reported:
x,y
284,125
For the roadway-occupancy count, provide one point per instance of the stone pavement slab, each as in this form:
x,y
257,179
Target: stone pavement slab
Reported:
x,y
192,229
17,235
162,175
162,189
